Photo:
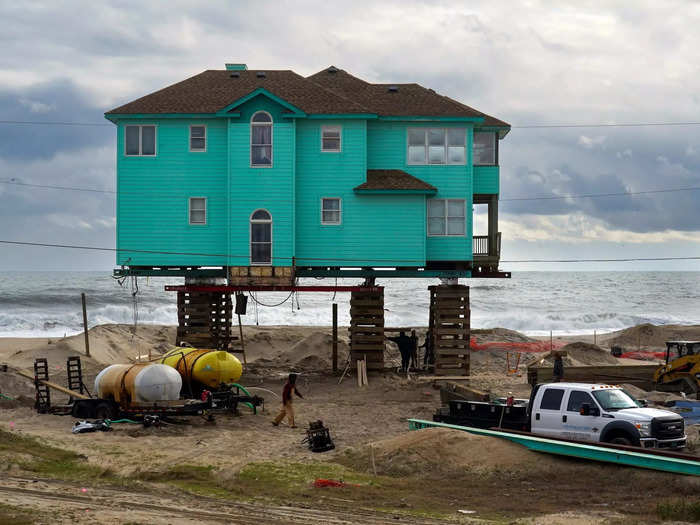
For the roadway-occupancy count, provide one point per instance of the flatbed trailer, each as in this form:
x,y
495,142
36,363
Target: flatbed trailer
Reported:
x,y
641,376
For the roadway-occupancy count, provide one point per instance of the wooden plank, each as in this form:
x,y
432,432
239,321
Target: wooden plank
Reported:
x,y
30,375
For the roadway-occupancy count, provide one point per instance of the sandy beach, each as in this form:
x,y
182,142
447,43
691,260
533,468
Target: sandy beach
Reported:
x,y
233,447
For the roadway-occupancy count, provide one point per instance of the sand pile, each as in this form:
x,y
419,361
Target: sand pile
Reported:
x,y
435,451
653,336
587,354
310,351
109,344
488,335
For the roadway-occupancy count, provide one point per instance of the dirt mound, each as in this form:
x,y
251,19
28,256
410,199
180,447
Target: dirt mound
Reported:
x,y
488,335
587,354
653,336
438,451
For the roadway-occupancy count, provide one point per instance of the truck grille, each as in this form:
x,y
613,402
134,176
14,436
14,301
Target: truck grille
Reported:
x,y
668,428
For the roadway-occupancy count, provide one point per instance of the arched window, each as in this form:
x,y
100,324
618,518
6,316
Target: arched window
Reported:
x,y
260,237
261,139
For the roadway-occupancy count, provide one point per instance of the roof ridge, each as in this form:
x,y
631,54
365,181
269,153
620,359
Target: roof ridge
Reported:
x,y
339,95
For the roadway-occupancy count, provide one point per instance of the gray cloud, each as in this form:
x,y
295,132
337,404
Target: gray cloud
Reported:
x,y
526,63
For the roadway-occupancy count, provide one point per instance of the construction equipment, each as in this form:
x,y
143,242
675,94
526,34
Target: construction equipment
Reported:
x,y
681,373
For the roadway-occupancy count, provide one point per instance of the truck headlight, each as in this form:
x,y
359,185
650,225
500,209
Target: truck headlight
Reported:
x,y
644,428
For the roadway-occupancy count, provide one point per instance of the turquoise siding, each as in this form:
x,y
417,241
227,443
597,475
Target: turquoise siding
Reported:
x,y
376,230
386,149
153,196
486,179
268,188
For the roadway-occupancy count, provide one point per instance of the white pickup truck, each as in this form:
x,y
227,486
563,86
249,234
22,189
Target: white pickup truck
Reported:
x,y
576,411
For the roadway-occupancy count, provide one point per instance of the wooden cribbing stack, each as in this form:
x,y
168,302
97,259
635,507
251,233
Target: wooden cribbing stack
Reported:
x,y
204,320
367,328
450,328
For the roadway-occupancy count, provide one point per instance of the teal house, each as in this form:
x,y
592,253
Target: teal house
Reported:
x,y
244,173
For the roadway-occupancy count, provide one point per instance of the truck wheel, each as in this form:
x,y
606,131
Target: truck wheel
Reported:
x,y
621,441
104,411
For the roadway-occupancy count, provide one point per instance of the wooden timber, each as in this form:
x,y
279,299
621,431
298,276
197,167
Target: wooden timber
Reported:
x,y
367,328
29,375
450,329
641,376
204,320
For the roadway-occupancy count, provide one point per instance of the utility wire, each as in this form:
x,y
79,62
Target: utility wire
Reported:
x,y
97,248
595,195
525,126
511,199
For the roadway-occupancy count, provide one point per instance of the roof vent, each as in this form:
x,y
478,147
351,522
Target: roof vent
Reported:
x,y
260,74
332,69
393,89
235,74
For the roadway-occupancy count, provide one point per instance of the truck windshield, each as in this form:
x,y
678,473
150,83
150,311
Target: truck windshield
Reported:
x,y
614,399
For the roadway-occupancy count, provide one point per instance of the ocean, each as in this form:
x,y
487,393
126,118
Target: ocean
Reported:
x,y
47,304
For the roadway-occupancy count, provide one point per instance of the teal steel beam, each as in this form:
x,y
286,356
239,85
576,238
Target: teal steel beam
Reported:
x,y
579,450
324,272
169,272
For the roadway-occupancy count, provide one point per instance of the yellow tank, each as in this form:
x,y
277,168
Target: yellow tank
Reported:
x,y
208,367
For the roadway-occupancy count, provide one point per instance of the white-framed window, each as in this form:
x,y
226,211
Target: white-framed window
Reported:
x,y
260,238
446,217
198,210
198,137
261,140
140,141
485,150
331,210
331,139
437,146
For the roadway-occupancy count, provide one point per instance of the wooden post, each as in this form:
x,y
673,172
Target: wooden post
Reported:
x,y
335,338
85,326
551,341
240,331
595,337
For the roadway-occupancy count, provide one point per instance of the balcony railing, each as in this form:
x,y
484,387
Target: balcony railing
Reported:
x,y
481,246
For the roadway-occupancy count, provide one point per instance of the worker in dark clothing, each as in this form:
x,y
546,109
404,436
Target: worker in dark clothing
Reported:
x,y
414,350
287,397
405,345
558,372
428,356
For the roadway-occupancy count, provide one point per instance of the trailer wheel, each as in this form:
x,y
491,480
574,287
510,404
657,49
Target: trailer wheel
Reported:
x,y
104,411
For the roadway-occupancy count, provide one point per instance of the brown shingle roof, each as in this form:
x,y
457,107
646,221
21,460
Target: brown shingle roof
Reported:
x,y
329,91
408,100
393,180
213,90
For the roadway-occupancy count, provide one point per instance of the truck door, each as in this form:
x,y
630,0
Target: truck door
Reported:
x,y
547,414
579,427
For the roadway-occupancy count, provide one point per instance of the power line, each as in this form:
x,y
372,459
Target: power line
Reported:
x,y
54,123
126,250
624,125
524,126
511,199
595,195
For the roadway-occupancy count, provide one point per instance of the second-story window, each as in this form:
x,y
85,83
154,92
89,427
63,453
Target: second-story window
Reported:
x,y
446,217
330,139
485,148
140,141
261,140
437,145
198,138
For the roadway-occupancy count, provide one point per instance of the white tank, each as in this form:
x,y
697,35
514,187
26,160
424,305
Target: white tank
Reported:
x,y
157,383
138,383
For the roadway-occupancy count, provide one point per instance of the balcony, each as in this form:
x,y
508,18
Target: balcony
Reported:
x,y
486,249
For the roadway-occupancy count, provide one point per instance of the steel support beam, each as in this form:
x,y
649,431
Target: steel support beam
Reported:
x,y
253,288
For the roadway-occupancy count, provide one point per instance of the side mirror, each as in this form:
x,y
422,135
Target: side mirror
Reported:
x,y
585,409
643,403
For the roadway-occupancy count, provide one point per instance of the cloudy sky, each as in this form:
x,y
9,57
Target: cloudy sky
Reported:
x,y
524,62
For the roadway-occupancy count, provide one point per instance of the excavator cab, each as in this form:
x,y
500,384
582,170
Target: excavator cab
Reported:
x,y
681,373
